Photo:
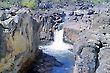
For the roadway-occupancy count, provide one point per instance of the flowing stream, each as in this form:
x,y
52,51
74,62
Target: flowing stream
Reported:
x,y
59,50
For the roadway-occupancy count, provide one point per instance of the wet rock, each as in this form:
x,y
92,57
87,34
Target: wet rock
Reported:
x,y
50,24
51,36
44,64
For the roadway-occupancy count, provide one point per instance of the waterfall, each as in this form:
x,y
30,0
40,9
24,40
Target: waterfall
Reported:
x,y
59,49
58,39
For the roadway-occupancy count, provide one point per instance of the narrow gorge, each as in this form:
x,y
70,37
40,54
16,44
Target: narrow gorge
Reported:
x,y
55,37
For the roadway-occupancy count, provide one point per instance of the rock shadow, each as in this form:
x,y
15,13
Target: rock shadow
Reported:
x,y
44,63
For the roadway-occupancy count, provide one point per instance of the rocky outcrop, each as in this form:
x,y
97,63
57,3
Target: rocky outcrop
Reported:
x,y
86,57
22,39
50,22
89,35
72,31
104,66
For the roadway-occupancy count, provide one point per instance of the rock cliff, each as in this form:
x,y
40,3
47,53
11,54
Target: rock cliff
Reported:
x,y
89,35
19,43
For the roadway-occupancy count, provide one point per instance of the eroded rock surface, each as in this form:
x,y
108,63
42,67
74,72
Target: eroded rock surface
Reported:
x,y
89,35
22,39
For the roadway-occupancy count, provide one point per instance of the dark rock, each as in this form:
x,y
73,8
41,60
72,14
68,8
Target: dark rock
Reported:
x,y
90,12
3,17
71,14
51,37
12,13
58,64
79,15
87,6
84,7
2,43
44,5
44,64
2,8
62,15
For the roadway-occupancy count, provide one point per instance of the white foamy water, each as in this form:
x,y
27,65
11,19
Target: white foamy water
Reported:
x,y
58,46
60,51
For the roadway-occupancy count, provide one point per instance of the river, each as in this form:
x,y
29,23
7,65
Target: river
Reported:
x,y
55,56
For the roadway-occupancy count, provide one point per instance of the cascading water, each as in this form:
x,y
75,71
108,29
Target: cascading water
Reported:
x,y
60,51
58,43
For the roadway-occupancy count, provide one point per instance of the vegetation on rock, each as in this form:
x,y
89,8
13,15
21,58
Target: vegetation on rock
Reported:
x,y
29,3
34,3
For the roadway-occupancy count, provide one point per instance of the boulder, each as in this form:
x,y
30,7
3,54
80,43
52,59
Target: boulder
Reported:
x,y
86,61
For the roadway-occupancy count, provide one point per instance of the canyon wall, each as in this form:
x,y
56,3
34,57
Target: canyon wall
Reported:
x,y
90,38
19,43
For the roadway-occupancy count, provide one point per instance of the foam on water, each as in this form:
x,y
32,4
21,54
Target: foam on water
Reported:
x,y
60,51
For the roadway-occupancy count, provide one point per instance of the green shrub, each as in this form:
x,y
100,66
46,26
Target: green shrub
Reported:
x,y
29,3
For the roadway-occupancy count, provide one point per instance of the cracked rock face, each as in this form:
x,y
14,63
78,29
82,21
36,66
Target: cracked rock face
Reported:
x,y
22,41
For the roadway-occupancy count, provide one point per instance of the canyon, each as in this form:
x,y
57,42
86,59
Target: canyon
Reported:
x,y
67,38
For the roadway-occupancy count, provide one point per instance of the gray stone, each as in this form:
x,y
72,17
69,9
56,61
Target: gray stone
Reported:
x,y
104,66
2,43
